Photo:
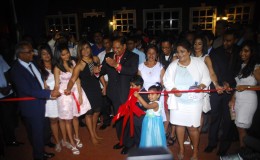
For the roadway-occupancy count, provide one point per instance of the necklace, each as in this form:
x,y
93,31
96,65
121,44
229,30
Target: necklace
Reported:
x,y
182,66
150,67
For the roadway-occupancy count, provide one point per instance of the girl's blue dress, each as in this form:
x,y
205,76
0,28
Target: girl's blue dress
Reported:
x,y
153,134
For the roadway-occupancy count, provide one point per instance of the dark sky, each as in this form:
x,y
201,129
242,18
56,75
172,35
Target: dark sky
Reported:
x,y
31,13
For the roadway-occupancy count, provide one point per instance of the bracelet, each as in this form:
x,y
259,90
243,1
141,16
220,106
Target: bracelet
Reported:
x,y
117,65
215,83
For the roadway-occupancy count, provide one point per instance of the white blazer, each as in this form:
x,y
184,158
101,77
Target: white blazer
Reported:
x,y
198,70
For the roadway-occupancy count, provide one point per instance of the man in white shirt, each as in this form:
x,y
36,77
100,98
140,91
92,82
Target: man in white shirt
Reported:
x,y
8,110
28,83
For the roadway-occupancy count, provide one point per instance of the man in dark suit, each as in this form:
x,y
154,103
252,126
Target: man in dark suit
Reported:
x,y
120,66
226,64
28,83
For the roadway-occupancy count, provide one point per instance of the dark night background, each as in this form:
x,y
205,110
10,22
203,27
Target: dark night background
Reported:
x,y
31,13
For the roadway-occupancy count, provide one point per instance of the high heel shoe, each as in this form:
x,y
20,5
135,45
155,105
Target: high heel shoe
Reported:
x,y
171,141
65,144
78,142
58,147
75,150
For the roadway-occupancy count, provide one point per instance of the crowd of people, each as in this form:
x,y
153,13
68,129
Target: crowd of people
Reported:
x,y
83,83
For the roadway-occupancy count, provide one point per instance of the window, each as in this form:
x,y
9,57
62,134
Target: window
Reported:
x,y
158,21
124,20
93,21
203,18
62,22
241,13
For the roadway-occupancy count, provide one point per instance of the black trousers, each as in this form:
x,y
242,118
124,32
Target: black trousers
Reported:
x,y
106,110
220,114
35,130
8,119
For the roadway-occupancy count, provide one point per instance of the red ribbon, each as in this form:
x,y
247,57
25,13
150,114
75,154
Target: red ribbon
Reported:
x,y
164,92
17,99
127,110
76,100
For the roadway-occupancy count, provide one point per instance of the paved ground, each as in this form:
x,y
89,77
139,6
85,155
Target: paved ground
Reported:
x,y
102,151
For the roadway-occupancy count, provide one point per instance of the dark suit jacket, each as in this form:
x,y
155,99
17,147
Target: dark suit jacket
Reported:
x,y
27,86
119,83
225,67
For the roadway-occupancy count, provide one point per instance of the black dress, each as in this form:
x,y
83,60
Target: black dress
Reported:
x,y
91,86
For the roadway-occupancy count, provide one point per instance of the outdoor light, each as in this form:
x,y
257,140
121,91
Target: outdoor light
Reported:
x,y
111,23
222,18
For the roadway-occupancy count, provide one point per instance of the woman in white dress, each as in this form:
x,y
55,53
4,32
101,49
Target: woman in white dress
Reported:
x,y
244,101
200,50
185,108
46,69
151,70
70,107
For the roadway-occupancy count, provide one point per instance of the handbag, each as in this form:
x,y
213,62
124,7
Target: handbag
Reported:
x,y
206,103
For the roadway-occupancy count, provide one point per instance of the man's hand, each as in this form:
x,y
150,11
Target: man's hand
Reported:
x,y
111,62
5,90
55,94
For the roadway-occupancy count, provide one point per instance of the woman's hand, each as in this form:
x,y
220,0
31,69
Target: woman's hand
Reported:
x,y
241,88
176,94
231,103
104,91
67,92
80,100
219,89
226,87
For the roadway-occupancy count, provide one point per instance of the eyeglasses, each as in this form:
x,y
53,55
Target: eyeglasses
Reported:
x,y
28,52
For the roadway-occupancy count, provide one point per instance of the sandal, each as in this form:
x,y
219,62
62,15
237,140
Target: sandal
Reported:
x,y
187,141
171,141
78,143
167,135
65,144
57,147
75,150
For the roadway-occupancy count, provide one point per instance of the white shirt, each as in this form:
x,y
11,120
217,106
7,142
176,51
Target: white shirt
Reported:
x,y
4,67
35,70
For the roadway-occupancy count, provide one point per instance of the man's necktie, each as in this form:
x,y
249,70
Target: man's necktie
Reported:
x,y
30,66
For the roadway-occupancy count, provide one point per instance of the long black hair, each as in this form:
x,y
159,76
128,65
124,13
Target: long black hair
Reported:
x,y
250,66
40,62
204,45
57,57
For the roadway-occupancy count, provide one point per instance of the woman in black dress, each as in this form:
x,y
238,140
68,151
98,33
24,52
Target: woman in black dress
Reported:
x,y
90,84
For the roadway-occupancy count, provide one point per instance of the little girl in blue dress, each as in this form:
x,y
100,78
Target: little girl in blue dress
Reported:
x,y
152,134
